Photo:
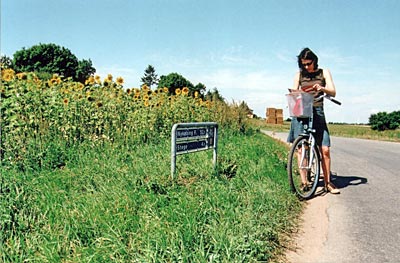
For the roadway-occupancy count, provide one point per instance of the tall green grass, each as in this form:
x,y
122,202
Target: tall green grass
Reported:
x,y
121,206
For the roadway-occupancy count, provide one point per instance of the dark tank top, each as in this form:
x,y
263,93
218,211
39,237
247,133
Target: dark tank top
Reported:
x,y
307,80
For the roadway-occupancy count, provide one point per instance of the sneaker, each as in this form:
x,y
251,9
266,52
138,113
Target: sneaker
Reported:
x,y
331,188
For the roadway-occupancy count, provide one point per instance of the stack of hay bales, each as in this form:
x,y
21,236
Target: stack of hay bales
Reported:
x,y
274,116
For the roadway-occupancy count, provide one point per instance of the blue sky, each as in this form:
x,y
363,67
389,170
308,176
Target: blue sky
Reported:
x,y
245,49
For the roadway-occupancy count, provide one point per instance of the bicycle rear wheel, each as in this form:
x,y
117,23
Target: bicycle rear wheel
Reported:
x,y
303,168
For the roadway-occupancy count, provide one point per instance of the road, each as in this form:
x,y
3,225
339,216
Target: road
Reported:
x,y
363,222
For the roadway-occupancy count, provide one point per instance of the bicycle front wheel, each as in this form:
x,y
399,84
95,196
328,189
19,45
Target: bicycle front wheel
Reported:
x,y
303,168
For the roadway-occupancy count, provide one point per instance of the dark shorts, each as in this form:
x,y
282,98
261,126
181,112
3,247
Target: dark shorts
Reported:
x,y
319,124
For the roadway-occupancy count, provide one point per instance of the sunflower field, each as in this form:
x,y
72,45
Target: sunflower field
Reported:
x,y
42,119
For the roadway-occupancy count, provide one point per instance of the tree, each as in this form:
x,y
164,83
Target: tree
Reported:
x,y
201,89
214,95
52,59
84,70
174,81
383,121
150,77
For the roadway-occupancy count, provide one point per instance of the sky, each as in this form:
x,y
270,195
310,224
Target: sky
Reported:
x,y
247,50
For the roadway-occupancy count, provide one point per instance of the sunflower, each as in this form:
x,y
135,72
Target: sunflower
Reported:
x,y
109,78
146,103
97,79
120,81
196,94
185,91
178,91
90,81
145,87
65,101
166,90
22,75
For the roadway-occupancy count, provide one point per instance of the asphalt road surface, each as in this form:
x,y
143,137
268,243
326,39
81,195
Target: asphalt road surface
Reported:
x,y
364,220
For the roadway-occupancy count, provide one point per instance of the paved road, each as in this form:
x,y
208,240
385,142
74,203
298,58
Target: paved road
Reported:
x,y
364,220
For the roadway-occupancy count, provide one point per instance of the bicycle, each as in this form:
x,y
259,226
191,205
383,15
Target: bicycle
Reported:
x,y
304,161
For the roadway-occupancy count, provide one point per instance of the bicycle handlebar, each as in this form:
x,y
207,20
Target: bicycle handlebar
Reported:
x,y
332,99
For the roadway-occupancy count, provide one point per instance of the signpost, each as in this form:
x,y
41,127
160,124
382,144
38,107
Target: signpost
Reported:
x,y
193,137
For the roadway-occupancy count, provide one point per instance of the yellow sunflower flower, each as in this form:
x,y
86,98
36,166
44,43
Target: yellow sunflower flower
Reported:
x,y
109,78
90,81
145,87
97,79
7,74
178,91
185,91
120,81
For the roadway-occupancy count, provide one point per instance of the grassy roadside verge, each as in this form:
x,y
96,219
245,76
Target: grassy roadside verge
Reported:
x,y
342,130
118,205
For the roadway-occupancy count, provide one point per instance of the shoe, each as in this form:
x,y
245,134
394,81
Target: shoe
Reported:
x,y
331,188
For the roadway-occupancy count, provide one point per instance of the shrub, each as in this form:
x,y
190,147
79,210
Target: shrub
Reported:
x,y
383,121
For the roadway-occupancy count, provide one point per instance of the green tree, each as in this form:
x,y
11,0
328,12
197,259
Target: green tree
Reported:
x,y
53,59
150,77
174,81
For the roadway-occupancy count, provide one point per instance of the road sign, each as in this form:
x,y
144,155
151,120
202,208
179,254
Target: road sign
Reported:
x,y
193,137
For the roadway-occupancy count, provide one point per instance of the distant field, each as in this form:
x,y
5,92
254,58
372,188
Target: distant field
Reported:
x,y
343,130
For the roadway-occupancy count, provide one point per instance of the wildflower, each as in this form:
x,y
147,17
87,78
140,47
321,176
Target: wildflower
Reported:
x,y
120,81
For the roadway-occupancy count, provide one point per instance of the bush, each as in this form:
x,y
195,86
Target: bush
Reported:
x,y
383,121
